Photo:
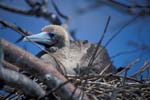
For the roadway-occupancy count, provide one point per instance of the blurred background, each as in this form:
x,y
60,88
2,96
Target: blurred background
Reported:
x,y
129,23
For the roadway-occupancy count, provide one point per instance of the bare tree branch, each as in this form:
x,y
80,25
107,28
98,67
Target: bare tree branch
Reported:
x,y
126,8
15,10
14,27
124,52
99,43
129,66
58,11
37,11
47,71
142,69
21,82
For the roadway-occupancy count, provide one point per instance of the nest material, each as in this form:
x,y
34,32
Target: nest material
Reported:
x,y
112,87
106,87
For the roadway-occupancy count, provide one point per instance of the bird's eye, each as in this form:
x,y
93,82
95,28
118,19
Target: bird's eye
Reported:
x,y
52,35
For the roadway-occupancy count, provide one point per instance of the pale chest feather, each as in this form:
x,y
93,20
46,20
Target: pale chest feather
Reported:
x,y
78,54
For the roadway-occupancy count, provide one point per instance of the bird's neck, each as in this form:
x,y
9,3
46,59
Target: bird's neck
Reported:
x,y
65,46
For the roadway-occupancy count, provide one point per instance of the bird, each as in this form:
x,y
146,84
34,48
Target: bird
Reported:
x,y
70,57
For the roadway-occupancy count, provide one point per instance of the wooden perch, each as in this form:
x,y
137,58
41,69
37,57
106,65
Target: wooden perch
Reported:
x,y
47,71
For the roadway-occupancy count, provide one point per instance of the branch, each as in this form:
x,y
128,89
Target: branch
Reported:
x,y
129,66
14,27
10,66
123,53
58,11
21,82
99,43
14,9
142,69
47,71
37,11
127,8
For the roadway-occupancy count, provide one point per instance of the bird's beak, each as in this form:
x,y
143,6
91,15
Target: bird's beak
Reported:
x,y
41,38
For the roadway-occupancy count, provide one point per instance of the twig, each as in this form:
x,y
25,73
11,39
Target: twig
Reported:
x,y
37,11
15,10
129,66
99,43
58,11
14,27
142,69
125,75
124,52
118,32
127,8
54,89
105,69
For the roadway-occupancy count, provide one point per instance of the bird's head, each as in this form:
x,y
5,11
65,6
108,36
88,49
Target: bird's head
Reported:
x,y
51,35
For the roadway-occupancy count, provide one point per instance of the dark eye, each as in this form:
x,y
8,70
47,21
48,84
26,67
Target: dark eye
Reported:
x,y
52,35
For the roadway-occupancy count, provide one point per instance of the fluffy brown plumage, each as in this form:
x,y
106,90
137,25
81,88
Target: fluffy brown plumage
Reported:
x,y
73,57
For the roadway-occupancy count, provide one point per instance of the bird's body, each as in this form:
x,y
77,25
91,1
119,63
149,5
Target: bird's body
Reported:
x,y
77,56
71,57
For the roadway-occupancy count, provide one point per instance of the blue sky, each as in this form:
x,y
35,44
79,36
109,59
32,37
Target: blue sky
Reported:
x,y
89,26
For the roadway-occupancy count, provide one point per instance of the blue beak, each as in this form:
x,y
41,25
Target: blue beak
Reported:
x,y
41,38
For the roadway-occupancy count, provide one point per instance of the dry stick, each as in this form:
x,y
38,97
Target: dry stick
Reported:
x,y
124,78
102,72
102,76
33,12
124,52
58,11
127,8
47,71
54,89
67,19
14,9
118,32
142,69
14,27
99,43
129,66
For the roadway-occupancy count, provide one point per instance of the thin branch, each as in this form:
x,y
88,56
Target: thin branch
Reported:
x,y
14,27
37,11
127,8
58,11
14,9
124,53
105,69
118,32
142,69
99,43
129,66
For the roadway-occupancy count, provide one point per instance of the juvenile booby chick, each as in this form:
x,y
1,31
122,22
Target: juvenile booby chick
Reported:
x,y
71,55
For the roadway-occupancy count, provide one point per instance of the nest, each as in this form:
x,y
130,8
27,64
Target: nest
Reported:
x,y
112,87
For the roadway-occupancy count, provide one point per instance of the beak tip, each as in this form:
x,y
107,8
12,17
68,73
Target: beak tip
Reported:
x,y
24,39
